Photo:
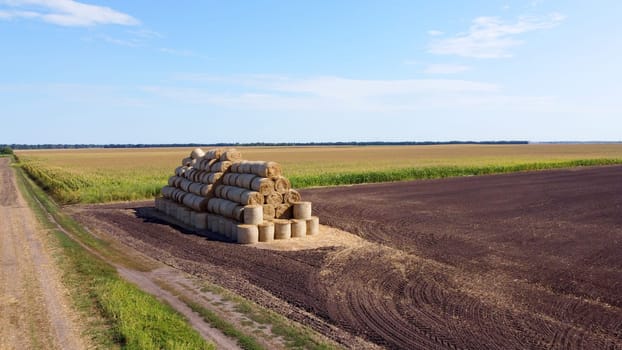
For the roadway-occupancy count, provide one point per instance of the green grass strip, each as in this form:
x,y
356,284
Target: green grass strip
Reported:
x,y
244,341
133,318
405,174
295,336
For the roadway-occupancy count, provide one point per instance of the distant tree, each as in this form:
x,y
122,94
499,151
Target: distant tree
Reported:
x,y
6,150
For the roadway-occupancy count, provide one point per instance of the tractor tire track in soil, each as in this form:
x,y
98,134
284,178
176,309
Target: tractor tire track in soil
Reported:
x,y
515,261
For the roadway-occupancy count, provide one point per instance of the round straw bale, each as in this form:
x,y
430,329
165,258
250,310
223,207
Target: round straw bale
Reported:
x,y
172,210
299,228
313,225
180,195
266,231
167,191
195,188
302,210
231,155
268,211
203,177
270,169
233,193
217,206
222,207
169,204
213,178
235,166
224,191
202,203
292,196
167,208
238,213
186,161
212,223
180,170
200,164
227,227
206,191
192,217
282,184
229,179
282,229
178,181
213,153
247,180
244,180
222,226
211,204
251,197
188,200
185,185
232,228
274,198
183,215
244,167
200,221
253,214
220,167
218,190
171,180
262,185
197,153
283,211
189,172
247,234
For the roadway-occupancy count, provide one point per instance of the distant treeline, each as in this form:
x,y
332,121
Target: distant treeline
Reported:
x,y
265,144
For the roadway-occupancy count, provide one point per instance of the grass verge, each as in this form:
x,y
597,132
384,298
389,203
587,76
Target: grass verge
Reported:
x,y
436,172
244,341
295,336
119,315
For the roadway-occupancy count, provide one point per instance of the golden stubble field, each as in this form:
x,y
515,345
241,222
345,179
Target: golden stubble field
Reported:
x,y
95,175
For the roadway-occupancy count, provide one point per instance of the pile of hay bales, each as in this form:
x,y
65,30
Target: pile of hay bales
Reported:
x,y
246,201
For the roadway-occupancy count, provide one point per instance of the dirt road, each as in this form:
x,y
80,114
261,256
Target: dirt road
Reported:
x,y
35,312
515,261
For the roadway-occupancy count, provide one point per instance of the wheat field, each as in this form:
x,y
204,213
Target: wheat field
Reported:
x,y
103,175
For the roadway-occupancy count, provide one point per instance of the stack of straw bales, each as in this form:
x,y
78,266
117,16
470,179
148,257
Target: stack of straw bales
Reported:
x,y
246,201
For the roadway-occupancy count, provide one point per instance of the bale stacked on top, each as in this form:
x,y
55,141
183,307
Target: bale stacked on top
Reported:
x,y
246,201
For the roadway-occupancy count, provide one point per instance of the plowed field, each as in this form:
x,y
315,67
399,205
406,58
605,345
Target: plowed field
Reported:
x,y
517,261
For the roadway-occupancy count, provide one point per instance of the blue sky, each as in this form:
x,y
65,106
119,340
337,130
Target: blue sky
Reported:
x,y
294,71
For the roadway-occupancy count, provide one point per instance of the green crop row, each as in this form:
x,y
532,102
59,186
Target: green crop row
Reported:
x,y
434,172
69,187
98,186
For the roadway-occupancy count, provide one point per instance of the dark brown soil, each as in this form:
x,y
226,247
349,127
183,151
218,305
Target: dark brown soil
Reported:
x,y
517,261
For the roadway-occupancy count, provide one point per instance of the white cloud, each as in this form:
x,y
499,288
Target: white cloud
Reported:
x,y
64,13
490,37
442,68
434,32
330,94
120,42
